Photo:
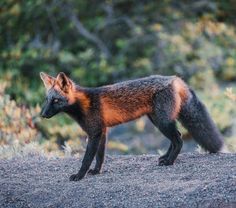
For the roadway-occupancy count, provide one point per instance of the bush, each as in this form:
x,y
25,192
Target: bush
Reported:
x,y
106,42
17,122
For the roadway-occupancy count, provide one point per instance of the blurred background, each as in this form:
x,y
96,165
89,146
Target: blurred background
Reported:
x,y
103,42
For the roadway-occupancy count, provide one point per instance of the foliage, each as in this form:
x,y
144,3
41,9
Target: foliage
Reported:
x,y
101,42
17,122
229,93
112,40
21,150
221,109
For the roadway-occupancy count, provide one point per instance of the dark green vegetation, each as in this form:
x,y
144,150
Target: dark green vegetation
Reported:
x,y
101,42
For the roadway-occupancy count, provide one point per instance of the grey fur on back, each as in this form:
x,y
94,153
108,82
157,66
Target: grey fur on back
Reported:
x,y
195,117
152,83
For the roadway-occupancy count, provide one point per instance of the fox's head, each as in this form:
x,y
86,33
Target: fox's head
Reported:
x,y
58,97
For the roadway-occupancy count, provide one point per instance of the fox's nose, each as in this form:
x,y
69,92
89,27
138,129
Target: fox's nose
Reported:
x,y
44,110
42,114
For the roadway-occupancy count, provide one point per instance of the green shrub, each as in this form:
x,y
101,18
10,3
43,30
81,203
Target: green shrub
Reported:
x,y
17,122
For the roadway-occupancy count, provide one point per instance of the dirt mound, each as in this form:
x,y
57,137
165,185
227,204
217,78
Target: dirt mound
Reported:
x,y
195,180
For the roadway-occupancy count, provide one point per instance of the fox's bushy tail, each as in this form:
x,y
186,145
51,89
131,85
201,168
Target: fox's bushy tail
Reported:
x,y
195,117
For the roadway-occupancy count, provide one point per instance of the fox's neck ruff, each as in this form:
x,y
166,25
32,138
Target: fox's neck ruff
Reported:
x,y
79,95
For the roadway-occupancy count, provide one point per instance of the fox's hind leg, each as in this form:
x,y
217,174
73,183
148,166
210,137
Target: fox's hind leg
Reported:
x,y
166,155
170,131
162,117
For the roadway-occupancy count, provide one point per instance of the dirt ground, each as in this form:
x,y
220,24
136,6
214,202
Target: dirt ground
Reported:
x,y
195,180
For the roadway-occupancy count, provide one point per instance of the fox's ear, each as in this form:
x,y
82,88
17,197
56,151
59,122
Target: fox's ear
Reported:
x,y
47,80
64,82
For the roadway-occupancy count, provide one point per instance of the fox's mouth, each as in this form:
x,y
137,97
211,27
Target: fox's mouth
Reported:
x,y
48,115
43,114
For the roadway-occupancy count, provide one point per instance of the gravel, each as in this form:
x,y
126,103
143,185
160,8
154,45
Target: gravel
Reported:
x,y
195,180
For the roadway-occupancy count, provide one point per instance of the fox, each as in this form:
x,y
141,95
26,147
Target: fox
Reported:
x,y
163,99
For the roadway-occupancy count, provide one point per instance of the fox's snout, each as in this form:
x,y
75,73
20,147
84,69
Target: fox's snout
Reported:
x,y
53,105
43,114
44,111
48,110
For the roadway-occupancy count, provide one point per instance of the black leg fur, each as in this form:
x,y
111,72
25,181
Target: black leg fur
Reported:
x,y
90,152
99,156
171,132
161,118
166,155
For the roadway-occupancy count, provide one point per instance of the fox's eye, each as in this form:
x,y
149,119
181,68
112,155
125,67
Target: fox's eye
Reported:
x,y
55,100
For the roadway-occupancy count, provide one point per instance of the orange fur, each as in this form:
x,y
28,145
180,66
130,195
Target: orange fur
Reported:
x,y
83,99
74,96
180,96
113,114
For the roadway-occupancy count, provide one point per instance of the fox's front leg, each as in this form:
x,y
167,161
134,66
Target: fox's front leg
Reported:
x,y
100,155
92,147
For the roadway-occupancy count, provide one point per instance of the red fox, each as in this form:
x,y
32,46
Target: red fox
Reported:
x,y
162,98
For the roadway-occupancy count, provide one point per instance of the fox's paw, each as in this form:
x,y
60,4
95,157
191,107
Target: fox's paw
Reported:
x,y
93,172
165,161
75,177
163,157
